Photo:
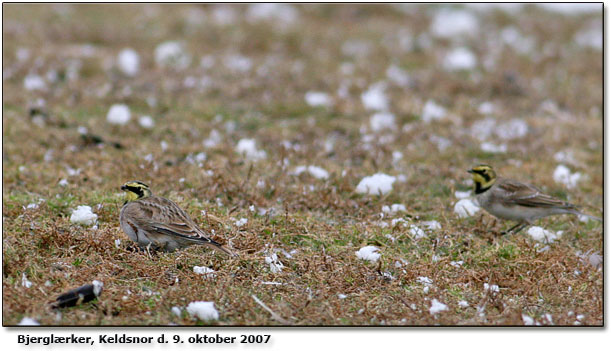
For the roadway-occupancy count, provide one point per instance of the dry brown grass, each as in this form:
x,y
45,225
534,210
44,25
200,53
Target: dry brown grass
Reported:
x,y
325,221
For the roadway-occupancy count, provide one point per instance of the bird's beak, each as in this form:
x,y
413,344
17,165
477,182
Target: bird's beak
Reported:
x,y
123,187
470,171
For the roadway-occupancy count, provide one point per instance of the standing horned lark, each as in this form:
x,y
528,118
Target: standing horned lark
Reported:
x,y
159,222
512,200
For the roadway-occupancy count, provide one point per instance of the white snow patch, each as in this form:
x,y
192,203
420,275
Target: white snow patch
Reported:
x,y
491,287
63,182
425,280
483,128
398,75
83,215
272,283
28,321
34,82
356,48
566,156
388,276
375,97
563,175
369,253
172,54
437,307
290,253
205,271
396,156
433,112
118,114
203,310
272,13
25,282
462,194
416,232
378,183
454,23
341,296
397,221
151,101
460,59
516,128
509,8
572,8
117,243
316,172
207,61
441,142
275,266
431,225
238,63
146,122
177,311
48,157
591,37
382,120
381,224
73,172
527,320
493,148
543,235
224,14
248,148
97,287
456,264
466,208
593,259
22,54
318,98
213,139
486,108
240,222
512,37
393,209
129,62
463,303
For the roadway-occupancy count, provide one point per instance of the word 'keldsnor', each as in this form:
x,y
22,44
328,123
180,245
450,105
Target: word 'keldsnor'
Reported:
x,y
124,339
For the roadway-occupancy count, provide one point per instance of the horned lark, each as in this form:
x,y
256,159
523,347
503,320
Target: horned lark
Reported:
x,y
153,221
512,200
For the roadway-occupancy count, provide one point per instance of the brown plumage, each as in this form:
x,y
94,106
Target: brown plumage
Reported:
x,y
159,222
523,194
509,199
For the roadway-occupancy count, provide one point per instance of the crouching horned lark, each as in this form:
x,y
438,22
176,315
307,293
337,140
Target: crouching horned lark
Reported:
x,y
155,221
512,200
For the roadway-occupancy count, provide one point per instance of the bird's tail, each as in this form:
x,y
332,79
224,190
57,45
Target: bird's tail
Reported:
x,y
578,213
222,248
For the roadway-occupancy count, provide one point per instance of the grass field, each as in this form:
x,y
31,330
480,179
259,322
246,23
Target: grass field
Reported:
x,y
354,90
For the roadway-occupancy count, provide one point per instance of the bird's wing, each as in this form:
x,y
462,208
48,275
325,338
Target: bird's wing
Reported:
x,y
517,193
164,216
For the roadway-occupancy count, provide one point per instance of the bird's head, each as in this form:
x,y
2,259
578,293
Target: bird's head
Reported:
x,y
136,190
483,177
